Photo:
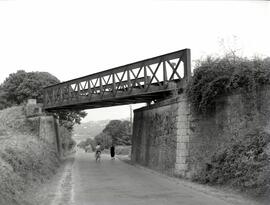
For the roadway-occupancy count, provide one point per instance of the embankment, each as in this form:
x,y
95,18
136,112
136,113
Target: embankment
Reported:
x,y
26,160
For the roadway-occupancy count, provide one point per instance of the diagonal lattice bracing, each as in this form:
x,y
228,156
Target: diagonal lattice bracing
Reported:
x,y
142,81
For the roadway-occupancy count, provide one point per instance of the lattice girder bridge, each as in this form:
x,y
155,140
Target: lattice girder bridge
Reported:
x,y
143,81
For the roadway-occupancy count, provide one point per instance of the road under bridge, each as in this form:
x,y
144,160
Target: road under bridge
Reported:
x,y
160,138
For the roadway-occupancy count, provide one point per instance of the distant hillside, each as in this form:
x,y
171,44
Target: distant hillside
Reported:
x,y
88,129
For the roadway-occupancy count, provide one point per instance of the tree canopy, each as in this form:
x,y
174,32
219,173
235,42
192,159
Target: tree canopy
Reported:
x,y
104,139
20,86
119,132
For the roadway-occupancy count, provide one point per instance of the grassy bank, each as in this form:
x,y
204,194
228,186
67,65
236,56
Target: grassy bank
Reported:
x,y
25,160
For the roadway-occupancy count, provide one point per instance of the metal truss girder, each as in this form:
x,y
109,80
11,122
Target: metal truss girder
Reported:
x,y
141,81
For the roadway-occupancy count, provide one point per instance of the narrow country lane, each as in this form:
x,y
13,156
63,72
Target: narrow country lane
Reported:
x,y
115,182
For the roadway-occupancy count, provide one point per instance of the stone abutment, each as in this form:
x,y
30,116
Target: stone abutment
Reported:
x,y
171,138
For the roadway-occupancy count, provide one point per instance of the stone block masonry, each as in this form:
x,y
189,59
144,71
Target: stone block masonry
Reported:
x,y
161,136
154,139
235,115
46,127
183,136
49,131
33,109
171,138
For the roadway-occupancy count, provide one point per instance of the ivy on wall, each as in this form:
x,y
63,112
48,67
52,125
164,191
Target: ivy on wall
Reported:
x,y
214,77
244,163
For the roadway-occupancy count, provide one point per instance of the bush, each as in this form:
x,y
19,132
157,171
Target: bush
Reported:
x,y
244,165
123,150
214,77
25,162
68,143
87,144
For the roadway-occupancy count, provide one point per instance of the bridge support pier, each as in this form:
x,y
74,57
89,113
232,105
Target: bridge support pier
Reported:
x,y
183,137
161,134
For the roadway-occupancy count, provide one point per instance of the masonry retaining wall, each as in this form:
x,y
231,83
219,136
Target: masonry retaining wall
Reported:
x,y
171,138
155,135
235,115
47,129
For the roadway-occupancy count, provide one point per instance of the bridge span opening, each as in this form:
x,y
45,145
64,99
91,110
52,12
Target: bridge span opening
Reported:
x,y
157,137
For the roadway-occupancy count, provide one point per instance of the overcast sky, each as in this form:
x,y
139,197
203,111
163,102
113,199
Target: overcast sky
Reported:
x,y
73,38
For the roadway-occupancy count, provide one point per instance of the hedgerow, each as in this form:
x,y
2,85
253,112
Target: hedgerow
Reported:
x,y
214,77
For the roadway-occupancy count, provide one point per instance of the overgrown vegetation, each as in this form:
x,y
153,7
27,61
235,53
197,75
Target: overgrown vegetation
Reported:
x,y
25,160
214,77
244,165
67,142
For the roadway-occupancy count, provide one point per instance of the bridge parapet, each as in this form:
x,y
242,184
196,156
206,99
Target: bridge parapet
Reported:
x,y
142,81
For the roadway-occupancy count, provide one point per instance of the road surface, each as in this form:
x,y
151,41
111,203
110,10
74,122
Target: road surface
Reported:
x,y
86,182
82,181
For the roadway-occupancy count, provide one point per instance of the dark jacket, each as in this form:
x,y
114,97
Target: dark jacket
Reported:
x,y
112,151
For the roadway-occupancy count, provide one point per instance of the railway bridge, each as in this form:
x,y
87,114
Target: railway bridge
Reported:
x,y
148,80
159,138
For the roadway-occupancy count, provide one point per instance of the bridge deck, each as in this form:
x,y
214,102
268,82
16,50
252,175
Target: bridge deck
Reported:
x,y
143,81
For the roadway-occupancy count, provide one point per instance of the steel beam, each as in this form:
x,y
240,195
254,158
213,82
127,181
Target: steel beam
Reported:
x,y
136,82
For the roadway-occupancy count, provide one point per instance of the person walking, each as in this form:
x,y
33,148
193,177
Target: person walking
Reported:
x,y
112,150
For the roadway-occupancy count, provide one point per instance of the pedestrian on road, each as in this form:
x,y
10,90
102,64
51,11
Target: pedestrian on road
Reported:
x,y
112,151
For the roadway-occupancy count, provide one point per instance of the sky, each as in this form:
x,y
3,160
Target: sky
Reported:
x,y
73,38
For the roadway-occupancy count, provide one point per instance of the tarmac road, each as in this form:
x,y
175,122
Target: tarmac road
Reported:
x,y
115,182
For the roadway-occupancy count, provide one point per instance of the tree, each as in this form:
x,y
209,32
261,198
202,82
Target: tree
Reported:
x,y
20,86
113,128
88,142
104,139
119,131
69,118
